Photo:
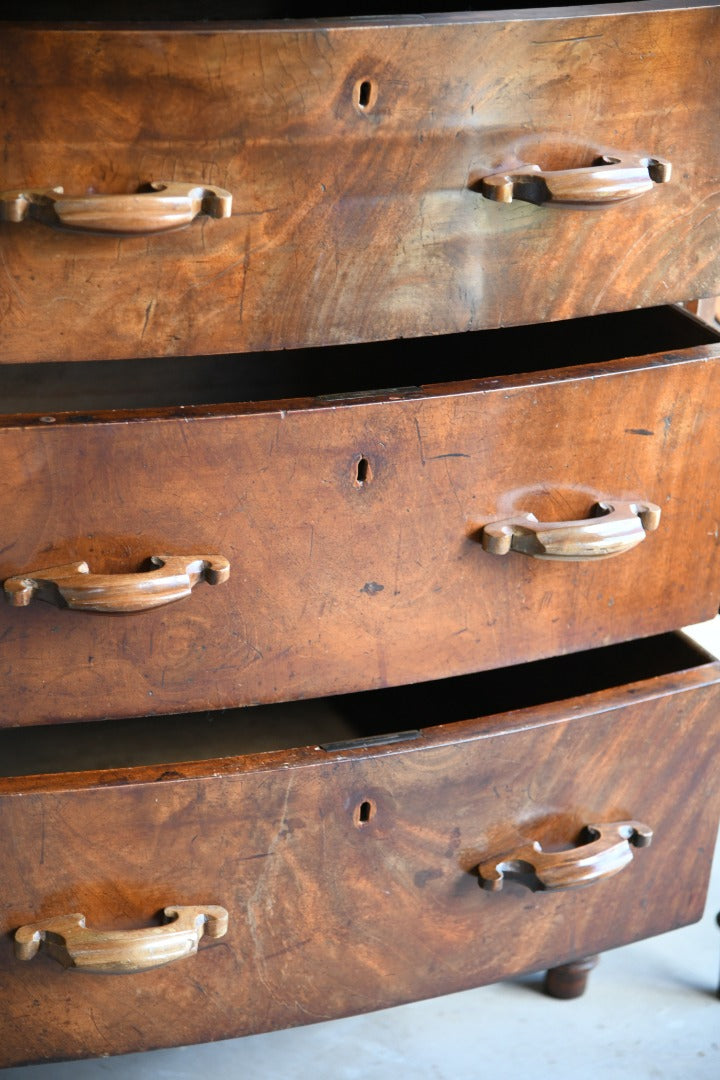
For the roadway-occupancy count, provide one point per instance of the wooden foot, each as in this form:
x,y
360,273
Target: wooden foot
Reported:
x,y
569,980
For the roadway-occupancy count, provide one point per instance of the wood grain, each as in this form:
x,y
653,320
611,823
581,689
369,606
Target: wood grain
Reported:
x,y
340,584
355,222
333,912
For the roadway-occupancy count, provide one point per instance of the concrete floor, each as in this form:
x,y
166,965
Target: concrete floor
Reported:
x,y
651,1011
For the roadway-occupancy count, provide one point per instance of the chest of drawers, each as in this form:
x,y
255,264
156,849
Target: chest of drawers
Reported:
x,y
397,392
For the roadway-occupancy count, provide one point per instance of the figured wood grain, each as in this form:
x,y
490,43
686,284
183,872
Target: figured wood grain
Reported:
x,y
331,914
341,585
355,221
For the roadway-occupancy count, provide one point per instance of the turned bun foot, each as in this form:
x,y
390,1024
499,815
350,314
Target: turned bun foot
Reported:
x,y
569,980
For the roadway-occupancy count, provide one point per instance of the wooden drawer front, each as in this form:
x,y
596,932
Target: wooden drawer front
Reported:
x,y
339,584
355,221
330,914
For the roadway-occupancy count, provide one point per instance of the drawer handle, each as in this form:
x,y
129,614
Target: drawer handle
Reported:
x,y
73,585
611,529
606,853
118,952
157,207
610,179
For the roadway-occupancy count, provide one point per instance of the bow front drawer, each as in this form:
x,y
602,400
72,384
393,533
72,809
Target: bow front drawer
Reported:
x,y
177,558
354,180
301,884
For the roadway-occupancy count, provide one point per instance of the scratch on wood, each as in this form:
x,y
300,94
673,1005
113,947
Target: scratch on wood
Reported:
x,y
437,457
147,318
95,1023
288,948
559,41
420,442
245,265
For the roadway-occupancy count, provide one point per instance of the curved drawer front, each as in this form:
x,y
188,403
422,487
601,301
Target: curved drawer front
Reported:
x,y
349,876
356,155
356,533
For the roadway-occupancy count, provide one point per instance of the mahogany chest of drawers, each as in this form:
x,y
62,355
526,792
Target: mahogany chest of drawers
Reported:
x,y
375,412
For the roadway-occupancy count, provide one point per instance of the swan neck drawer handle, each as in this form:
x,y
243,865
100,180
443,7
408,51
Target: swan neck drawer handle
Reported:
x,y
611,529
157,207
607,852
118,952
609,179
73,586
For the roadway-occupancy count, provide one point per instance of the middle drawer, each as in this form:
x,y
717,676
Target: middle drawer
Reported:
x,y
353,521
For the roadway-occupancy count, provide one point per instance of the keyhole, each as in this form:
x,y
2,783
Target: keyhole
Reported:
x,y
364,813
363,472
364,94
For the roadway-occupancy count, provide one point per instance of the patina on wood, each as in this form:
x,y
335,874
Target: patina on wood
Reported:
x,y
349,875
349,576
352,151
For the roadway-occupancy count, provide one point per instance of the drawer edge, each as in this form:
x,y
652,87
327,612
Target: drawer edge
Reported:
x,y
560,711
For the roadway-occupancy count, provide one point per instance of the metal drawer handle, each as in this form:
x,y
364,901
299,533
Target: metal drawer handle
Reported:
x,y
611,529
610,179
607,852
117,952
75,587
157,207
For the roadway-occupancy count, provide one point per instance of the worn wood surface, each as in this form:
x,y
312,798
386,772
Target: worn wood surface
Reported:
x,y
333,910
348,576
350,151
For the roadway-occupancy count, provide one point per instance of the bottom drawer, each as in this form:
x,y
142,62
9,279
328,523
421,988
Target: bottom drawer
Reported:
x,y
349,866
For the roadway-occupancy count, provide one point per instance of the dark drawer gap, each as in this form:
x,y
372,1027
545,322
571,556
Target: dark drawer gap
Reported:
x,y
331,372
375,717
236,10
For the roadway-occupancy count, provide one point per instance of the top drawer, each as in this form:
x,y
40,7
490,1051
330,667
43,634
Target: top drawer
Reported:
x,y
353,152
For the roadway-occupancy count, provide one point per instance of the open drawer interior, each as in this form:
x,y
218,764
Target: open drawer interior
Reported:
x,y
333,724
346,370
